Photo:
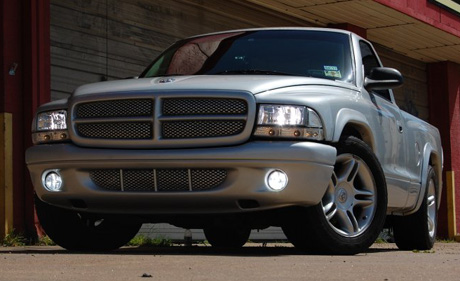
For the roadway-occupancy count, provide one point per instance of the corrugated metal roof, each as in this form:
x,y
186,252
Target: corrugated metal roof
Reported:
x,y
384,25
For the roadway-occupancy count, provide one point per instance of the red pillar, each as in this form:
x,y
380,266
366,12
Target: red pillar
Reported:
x,y
25,42
444,101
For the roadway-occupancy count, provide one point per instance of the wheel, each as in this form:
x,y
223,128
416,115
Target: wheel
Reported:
x,y
352,212
83,232
227,238
418,231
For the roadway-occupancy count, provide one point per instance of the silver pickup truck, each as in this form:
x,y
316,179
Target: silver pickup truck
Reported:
x,y
241,130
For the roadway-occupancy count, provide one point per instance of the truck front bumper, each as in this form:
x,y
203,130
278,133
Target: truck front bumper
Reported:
x,y
308,166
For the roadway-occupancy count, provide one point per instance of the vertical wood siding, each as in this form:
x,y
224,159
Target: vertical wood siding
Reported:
x,y
95,40
412,97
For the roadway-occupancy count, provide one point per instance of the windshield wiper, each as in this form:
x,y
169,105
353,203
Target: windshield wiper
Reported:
x,y
255,71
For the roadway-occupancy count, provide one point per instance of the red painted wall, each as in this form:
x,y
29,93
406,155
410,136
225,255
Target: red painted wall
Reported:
x,y
25,40
444,100
428,13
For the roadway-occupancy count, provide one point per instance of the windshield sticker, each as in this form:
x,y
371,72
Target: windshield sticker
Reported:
x,y
332,71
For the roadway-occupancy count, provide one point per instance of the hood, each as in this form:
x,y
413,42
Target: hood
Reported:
x,y
250,83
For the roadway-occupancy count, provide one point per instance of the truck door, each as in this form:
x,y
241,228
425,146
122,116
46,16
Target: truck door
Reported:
x,y
392,146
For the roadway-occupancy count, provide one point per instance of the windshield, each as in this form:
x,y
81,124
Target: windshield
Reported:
x,y
319,54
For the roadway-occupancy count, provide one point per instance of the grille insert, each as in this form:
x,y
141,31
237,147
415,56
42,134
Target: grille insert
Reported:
x,y
158,180
108,179
115,108
123,130
172,180
203,106
201,129
160,120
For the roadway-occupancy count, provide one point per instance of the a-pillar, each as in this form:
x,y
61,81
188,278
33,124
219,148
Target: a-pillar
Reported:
x,y
444,110
24,84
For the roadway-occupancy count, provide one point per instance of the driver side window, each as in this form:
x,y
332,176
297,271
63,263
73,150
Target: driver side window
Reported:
x,y
370,61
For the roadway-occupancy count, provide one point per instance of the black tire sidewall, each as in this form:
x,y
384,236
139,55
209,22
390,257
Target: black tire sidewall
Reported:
x,y
361,242
315,234
411,231
67,230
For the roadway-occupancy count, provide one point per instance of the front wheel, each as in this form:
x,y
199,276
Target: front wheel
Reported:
x,y
83,232
352,212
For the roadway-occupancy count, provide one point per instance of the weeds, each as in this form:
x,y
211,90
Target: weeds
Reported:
x,y
445,241
424,252
46,241
13,239
380,240
142,240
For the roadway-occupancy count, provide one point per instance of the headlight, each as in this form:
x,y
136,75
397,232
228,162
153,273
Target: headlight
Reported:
x,y
51,126
288,121
52,120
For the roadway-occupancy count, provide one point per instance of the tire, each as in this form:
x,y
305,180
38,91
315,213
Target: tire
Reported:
x,y
83,232
418,231
227,238
351,213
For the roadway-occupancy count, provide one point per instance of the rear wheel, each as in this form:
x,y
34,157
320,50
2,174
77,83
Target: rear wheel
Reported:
x,y
227,238
83,232
351,213
418,231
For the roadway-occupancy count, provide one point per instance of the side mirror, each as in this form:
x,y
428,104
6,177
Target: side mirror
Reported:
x,y
383,78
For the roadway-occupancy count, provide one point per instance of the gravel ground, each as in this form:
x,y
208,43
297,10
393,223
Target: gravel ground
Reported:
x,y
253,262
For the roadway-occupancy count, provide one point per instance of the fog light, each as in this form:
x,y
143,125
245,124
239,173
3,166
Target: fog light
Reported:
x,y
277,180
52,180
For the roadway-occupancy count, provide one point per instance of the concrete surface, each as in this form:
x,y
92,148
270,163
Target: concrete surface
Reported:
x,y
165,230
253,262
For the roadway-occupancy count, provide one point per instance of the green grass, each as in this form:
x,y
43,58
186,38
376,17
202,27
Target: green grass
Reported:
x,y
142,240
13,239
380,240
45,241
445,241
424,252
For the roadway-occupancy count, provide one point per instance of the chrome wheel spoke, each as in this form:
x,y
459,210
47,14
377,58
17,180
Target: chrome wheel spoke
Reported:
x,y
331,213
363,198
349,171
431,200
348,223
350,201
354,221
430,224
431,209
328,207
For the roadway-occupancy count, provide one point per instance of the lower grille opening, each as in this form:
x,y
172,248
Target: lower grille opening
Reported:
x,y
158,180
248,204
78,203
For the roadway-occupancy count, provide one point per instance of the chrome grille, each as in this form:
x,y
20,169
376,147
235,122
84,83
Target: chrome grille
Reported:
x,y
201,106
201,129
158,180
162,120
125,130
115,108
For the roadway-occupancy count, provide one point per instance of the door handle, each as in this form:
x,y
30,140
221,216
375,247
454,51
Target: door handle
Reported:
x,y
400,127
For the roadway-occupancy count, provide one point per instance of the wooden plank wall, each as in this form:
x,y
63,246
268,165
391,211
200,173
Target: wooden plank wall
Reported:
x,y
412,97
94,40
